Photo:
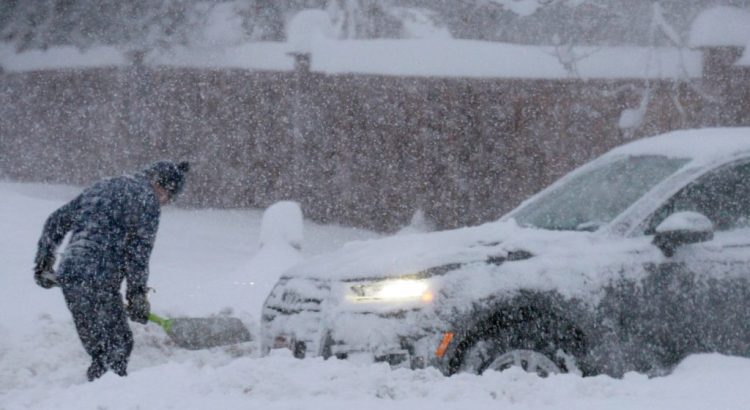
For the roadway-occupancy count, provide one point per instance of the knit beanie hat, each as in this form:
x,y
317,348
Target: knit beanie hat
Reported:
x,y
169,175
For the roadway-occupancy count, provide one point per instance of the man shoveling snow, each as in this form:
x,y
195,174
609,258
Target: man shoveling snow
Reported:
x,y
113,225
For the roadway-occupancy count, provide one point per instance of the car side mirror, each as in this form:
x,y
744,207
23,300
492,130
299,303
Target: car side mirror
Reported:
x,y
682,228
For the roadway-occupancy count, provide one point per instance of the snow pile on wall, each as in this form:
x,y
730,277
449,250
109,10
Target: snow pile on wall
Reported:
x,y
270,56
721,26
418,57
306,27
60,58
482,59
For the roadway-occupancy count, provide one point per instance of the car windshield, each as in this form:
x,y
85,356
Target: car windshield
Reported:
x,y
594,198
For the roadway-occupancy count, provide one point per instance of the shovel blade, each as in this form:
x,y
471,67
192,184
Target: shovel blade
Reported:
x,y
203,333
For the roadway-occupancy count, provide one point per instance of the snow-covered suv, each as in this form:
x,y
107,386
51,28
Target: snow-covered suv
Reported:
x,y
630,262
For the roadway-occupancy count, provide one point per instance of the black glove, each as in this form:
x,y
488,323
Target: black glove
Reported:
x,y
44,272
138,307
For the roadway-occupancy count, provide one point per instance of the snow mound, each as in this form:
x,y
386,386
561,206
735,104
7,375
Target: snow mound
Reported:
x,y
282,224
306,27
721,26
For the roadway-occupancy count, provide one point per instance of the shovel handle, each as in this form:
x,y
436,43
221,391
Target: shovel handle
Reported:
x,y
165,323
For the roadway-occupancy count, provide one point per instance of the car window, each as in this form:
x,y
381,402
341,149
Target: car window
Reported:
x,y
596,197
723,196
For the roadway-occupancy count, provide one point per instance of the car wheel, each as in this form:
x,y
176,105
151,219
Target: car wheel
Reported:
x,y
539,343
483,357
529,360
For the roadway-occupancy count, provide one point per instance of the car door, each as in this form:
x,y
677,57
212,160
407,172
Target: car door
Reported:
x,y
699,299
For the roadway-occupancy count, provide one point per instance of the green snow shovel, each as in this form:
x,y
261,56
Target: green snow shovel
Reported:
x,y
196,333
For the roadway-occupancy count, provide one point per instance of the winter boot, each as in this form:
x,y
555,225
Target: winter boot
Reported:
x,y
96,370
120,369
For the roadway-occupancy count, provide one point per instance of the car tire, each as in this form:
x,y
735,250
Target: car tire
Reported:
x,y
479,360
537,341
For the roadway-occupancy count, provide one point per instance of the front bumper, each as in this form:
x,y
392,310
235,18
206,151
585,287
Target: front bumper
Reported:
x,y
319,324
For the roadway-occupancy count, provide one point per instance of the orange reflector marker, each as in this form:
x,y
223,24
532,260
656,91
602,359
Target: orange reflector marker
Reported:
x,y
447,339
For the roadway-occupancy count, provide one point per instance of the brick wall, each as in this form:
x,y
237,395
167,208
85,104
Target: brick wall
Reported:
x,y
358,150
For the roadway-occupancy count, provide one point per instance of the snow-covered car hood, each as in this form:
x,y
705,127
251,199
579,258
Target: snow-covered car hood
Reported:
x,y
414,253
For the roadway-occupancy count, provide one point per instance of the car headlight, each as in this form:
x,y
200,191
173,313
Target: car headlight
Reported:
x,y
397,290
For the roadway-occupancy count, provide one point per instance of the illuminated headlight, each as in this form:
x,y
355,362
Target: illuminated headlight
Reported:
x,y
398,290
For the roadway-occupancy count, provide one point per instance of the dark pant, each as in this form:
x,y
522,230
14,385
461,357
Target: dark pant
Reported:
x,y
102,324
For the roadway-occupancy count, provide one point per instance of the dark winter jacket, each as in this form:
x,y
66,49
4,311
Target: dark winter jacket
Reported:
x,y
113,225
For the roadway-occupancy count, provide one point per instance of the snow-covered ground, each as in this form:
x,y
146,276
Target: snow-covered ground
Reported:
x,y
210,262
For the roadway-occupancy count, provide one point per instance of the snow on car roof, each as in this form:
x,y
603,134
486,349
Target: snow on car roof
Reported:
x,y
698,144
